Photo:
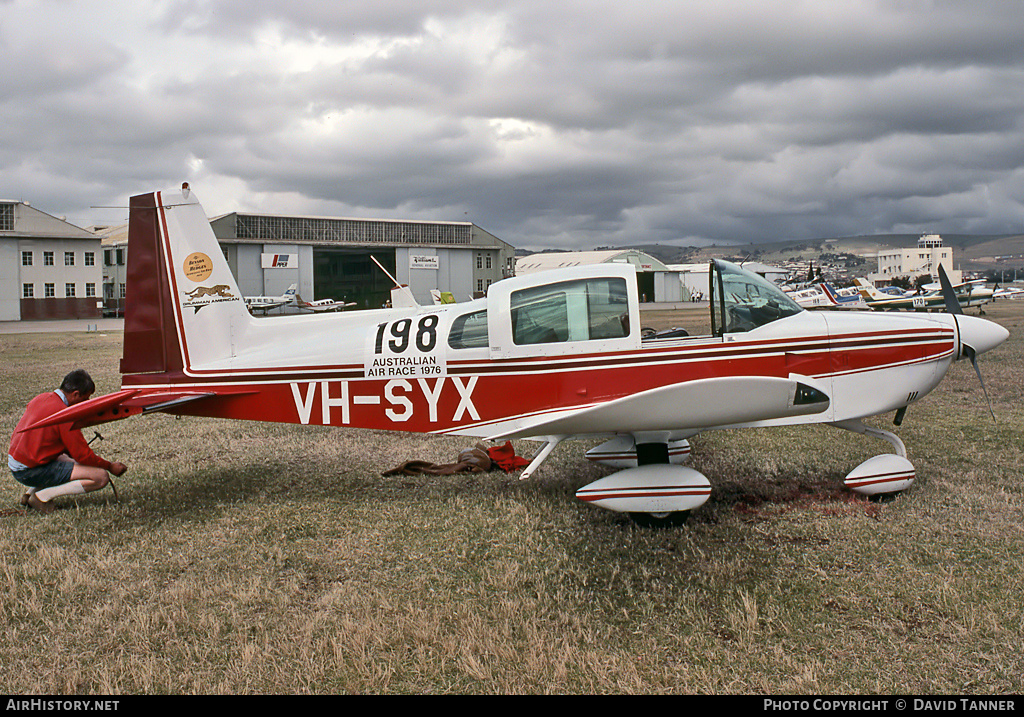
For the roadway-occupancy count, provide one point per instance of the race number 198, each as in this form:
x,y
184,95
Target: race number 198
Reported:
x,y
406,348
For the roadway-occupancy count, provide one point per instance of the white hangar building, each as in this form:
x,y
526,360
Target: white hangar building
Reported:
x,y
656,281
330,258
49,269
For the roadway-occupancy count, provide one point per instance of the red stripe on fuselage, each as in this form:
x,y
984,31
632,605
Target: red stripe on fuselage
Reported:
x,y
513,388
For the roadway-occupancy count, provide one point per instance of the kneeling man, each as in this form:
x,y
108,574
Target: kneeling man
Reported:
x,y
56,460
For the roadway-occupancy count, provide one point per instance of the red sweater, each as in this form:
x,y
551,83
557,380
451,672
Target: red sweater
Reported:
x,y
42,445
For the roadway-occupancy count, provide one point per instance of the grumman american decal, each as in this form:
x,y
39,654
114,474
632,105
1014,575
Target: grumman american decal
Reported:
x,y
205,295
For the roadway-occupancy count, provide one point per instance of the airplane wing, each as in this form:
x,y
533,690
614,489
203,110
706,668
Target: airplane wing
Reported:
x,y
700,404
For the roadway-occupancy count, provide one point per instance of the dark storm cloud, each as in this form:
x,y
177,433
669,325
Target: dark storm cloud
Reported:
x,y
551,124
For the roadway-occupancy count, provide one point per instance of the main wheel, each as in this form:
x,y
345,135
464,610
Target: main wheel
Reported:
x,y
661,520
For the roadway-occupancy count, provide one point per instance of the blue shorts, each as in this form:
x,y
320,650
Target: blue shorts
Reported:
x,y
46,475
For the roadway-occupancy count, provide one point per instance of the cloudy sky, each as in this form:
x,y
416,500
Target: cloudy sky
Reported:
x,y
563,124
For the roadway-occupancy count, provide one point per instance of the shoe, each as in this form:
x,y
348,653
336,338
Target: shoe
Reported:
x,y
41,506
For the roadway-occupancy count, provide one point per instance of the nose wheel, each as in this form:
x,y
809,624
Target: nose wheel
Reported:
x,y
661,520
886,474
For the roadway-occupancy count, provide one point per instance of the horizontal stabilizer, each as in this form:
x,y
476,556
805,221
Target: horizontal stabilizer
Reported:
x,y
115,406
701,404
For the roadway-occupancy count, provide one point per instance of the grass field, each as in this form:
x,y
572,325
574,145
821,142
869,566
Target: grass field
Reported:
x,y
255,558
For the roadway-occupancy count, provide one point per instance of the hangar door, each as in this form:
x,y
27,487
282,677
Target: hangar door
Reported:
x,y
351,275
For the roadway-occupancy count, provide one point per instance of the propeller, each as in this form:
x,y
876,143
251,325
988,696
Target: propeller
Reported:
x,y
953,307
948,295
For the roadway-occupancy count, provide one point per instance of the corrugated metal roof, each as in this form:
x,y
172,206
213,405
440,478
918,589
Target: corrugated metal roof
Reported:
x,y
560,260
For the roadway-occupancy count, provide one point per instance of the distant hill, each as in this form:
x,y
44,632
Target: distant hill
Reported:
x,y
973,253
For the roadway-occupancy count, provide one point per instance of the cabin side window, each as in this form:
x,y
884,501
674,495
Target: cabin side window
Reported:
x,y
581,310
469,331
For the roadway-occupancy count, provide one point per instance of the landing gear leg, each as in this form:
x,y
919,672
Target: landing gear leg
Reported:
x,y
857,427
541,455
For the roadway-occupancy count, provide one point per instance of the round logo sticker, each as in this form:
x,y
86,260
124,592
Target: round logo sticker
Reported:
x,y
198,266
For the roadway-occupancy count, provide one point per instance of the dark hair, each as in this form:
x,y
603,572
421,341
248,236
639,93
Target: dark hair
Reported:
x,y
78,380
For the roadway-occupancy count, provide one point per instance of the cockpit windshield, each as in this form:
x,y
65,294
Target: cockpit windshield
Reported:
x,y
742,301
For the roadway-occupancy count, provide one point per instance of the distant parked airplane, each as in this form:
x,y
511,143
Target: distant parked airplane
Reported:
x,y
323,304
1007,292
969,293
266,303
826,296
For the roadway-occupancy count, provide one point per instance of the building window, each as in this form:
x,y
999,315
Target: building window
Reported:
x,y
49,291
6,217
121,288
69,291
90,290
90,258
488,261
69,258
479,261
26,258
289,229
107,257
28,291
120,257
47,258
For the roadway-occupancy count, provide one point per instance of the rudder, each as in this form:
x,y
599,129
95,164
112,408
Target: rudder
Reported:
x,y
150,341
183,305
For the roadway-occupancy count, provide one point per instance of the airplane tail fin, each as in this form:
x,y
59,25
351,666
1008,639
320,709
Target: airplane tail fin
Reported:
x,y
868,290
829,292
401,296
441,297
183,305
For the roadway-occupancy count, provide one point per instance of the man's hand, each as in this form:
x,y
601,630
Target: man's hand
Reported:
x,y
118,468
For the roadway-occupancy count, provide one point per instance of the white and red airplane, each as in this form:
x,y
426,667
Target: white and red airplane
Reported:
x,y
323,304
548,356
825,296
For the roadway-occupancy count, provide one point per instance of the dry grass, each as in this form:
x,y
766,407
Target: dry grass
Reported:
x,y
252,558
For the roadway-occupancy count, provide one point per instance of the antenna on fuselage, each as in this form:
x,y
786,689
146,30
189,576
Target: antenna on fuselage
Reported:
x,y
393,279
